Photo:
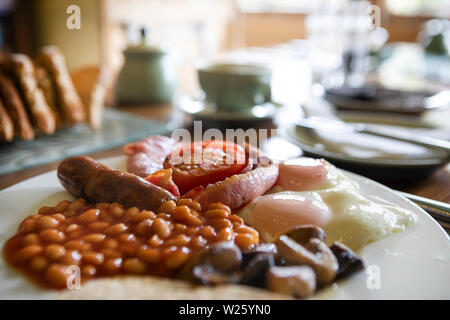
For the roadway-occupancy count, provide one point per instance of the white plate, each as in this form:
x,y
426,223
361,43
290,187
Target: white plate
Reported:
x,y
414,264
201,110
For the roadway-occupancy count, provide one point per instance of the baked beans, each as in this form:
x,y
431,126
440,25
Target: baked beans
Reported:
x,y
108,239
113,266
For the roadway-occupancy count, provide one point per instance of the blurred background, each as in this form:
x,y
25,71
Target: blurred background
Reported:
x,y
381,63
194,29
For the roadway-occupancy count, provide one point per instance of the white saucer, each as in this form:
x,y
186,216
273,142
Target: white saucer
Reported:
x,y
202,110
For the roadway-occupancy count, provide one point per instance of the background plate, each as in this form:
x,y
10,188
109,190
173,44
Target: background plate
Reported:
x,y
380,169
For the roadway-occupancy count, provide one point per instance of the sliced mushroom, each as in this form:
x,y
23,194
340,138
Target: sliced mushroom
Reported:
x,y
314,253
298,281
302,234
280,261
263,248
225,256
349,262
255,271
208,275
215,264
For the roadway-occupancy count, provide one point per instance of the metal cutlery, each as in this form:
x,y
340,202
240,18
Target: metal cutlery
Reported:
x,y
326,124
438,210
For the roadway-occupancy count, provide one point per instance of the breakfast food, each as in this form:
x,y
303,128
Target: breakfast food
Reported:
x,y
279,197
147,156
239,189
91,83
45,96
229,221
310,191
226,173
6,125
15,108
44,82
52,60
108,239
85,177
205,162
20,68
179,240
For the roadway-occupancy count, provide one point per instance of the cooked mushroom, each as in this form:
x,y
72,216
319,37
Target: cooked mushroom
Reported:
x,y
280,261
255,271
298,281
261,248
348,261
216,264
225,256
209,275
302,234
314,253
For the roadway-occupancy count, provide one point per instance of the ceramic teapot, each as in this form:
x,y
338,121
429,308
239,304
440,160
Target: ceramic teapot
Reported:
x,y
147,76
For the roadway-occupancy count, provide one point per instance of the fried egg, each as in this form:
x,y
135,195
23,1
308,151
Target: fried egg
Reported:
x,y
311,191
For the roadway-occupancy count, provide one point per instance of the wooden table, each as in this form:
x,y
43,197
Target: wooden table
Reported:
x,y
436,187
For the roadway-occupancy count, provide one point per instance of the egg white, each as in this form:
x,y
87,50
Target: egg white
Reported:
x,y
355,219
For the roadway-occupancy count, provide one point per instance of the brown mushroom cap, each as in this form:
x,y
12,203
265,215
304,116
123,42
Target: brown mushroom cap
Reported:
x,y
262,248
314,253
298,281
208,275
349,262
216,264
254,273
302,234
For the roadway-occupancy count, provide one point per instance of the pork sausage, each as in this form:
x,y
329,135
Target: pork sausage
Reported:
x,y
86,178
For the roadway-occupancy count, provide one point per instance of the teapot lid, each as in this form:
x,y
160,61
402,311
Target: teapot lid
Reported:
x,y
143,46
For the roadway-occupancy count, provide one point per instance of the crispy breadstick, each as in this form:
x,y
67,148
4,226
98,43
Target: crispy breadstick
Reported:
x,y
45,83
6,125
20,67
15,108
91,83
52,60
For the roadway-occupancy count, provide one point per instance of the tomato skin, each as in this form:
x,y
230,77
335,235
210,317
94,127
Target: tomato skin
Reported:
x,y
163,179
208,162
194,193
